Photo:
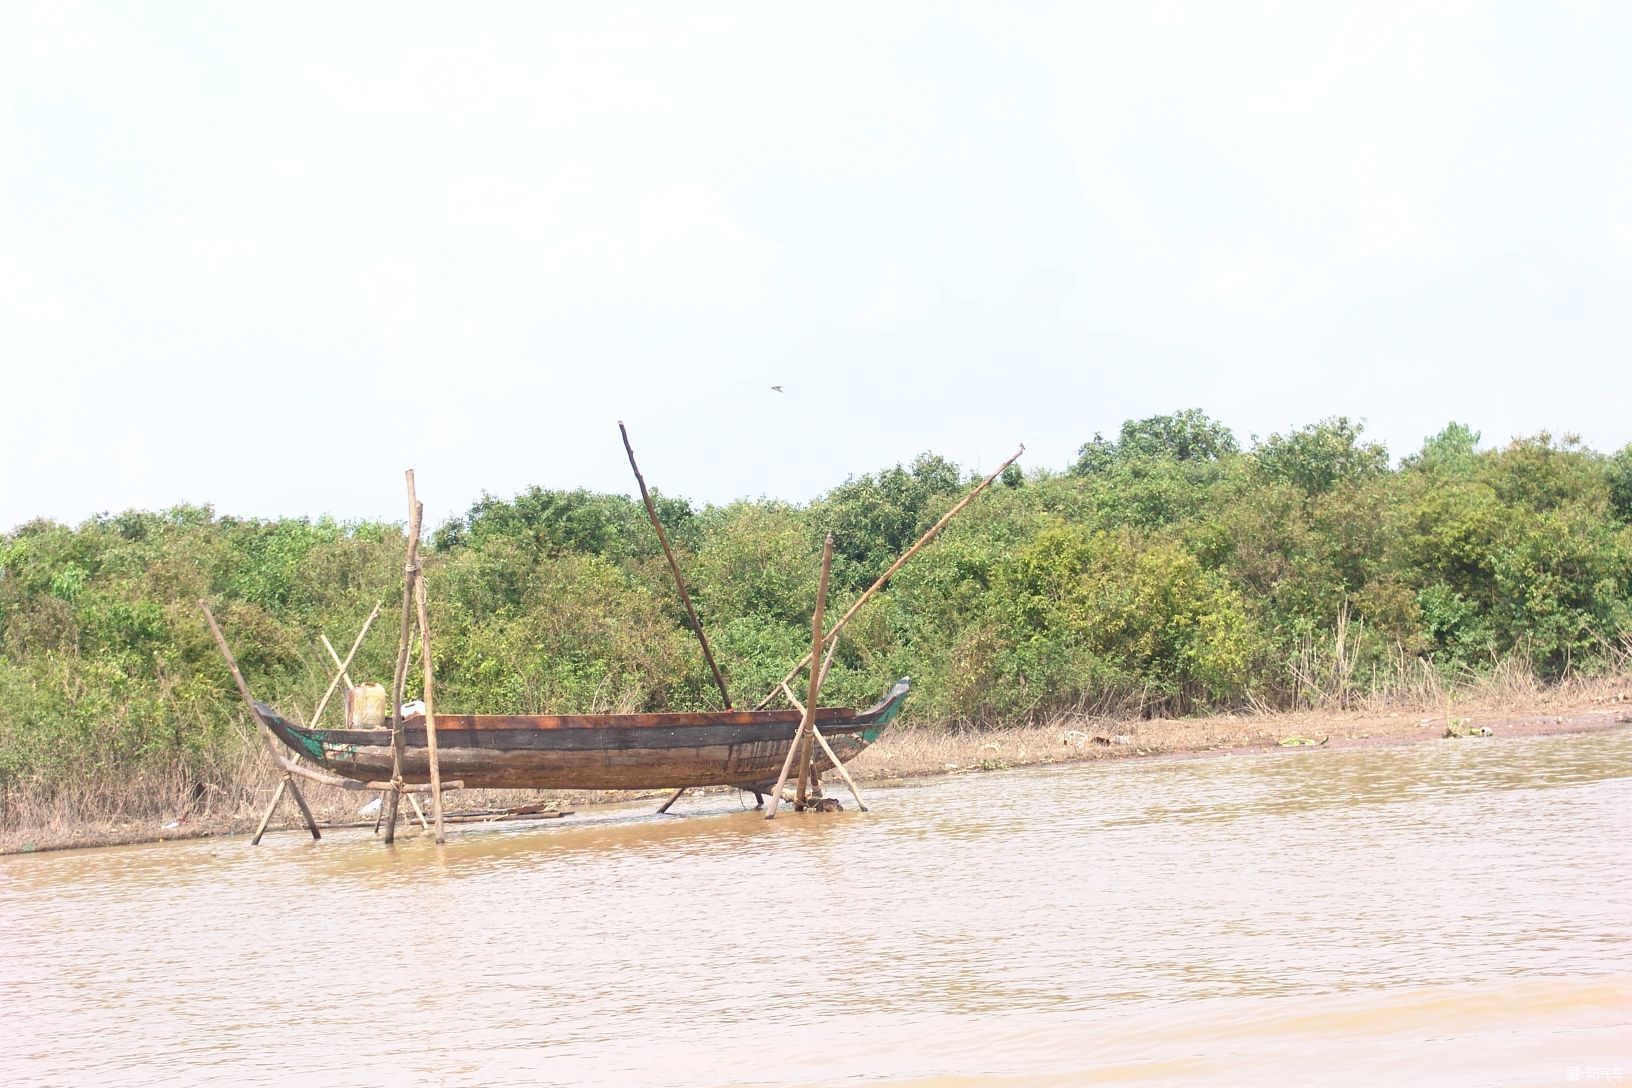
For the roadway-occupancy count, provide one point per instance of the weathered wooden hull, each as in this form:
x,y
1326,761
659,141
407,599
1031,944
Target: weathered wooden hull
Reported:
x,y
592,751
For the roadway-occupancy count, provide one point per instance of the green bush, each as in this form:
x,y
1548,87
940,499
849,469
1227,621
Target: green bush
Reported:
x,y
1165,571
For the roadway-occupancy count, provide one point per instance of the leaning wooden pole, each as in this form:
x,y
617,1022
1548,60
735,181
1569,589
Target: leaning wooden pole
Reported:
x,y
674,567
410,572
346,664
885,577
430,708
265,731
807,720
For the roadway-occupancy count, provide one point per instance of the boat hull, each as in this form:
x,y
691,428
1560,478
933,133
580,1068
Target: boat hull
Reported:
x,y
596,752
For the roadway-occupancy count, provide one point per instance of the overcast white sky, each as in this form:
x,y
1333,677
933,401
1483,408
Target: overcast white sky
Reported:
x,y
267,257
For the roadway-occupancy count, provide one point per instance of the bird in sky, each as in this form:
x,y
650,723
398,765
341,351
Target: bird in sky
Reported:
x,y
777,389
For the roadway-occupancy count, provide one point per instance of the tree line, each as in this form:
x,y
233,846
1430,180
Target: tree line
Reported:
x,y
1169,569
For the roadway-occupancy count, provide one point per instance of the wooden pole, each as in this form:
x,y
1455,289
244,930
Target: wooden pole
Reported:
x,y
807,720
413,804
885,577
838,765
339,783
334,656
379,819
674,567
827,660
430,708
410,572
300,803
344,665
664,807
808,747
266,817
787,767
267,736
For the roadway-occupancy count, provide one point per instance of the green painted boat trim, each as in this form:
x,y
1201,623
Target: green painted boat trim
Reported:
x,y
884,719
310,746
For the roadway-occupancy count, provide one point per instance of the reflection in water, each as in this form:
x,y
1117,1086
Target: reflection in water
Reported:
x,y
1454,913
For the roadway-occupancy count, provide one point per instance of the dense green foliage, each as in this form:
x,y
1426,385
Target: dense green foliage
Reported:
x,y
1169,570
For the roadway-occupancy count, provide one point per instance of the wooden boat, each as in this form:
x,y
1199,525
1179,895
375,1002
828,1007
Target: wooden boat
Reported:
x,y
743,748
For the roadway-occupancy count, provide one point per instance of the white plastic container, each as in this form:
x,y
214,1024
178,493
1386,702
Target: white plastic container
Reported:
x,y
365,706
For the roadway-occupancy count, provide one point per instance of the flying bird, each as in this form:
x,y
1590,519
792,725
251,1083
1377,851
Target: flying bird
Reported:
x,y
777,389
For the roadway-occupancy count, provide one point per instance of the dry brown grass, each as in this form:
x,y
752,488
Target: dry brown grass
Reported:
x,y
104,810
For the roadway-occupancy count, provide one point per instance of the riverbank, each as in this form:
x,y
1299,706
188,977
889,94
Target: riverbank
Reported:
x,y
899,755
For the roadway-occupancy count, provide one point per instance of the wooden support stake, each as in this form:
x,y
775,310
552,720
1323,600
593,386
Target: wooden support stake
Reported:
x,y
806,752
828,748
410,572
807,720
664,807
267,736
885,577
421,812
782,779
266,817
680,583
344,665
430,709
802,762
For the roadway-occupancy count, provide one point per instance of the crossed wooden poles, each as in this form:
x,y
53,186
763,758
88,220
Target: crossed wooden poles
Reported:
x,y
413,606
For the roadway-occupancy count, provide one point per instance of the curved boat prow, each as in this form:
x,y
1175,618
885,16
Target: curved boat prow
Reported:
x,y
885,711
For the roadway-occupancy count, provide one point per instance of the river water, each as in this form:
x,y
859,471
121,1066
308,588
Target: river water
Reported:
x,y
1449,913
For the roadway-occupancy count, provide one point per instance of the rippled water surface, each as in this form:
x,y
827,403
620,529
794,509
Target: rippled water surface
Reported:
x,y
1455,913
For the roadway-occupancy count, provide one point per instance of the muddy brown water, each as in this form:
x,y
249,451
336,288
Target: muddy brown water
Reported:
x,y
1452,913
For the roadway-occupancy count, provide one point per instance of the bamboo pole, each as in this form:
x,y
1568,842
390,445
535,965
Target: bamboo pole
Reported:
x,y
664,807
339,783
885,577
674,567
267,736
787,768
807,750
334,656
838,765
807,720
802,765
827,661
410,572
344,665
266,817
430,708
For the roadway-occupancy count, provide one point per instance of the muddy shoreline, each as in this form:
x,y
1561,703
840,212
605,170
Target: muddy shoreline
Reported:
x,y
904,755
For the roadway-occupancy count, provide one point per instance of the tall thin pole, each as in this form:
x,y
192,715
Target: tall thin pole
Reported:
x,y
430,708
885,577
806,754
410,572
662,537
807,720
